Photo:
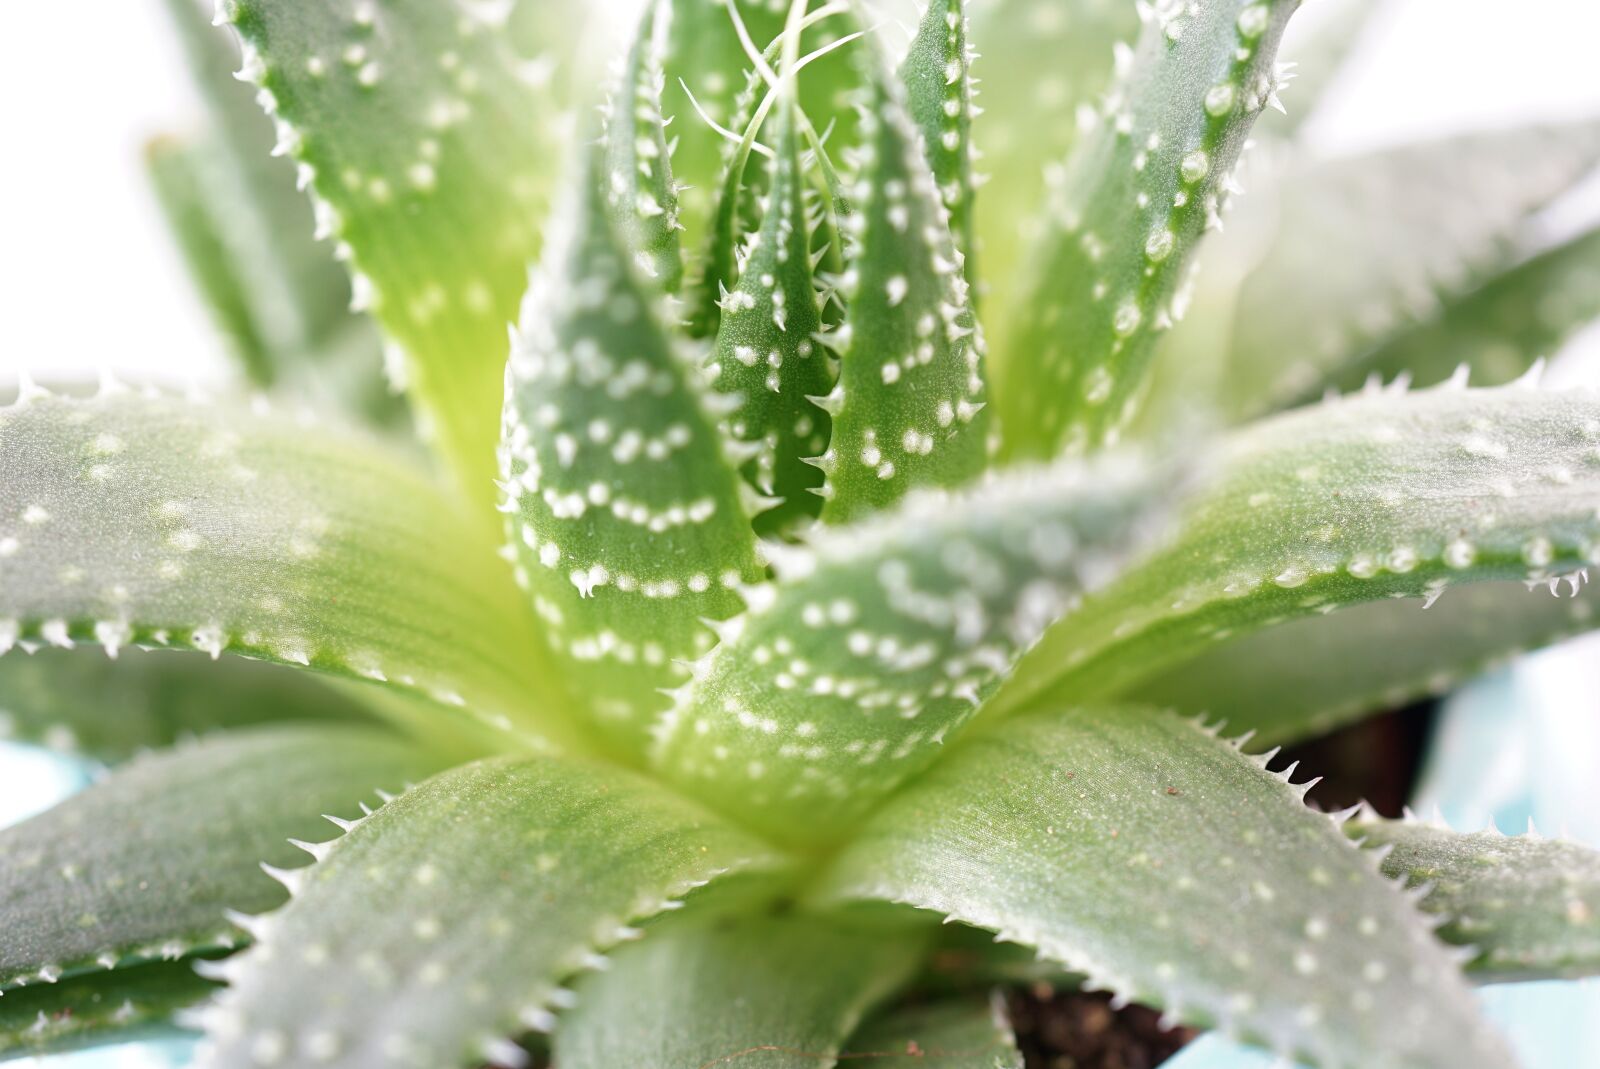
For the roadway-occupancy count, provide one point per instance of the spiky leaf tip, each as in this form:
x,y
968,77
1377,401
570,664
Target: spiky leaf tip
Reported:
x,y
937,74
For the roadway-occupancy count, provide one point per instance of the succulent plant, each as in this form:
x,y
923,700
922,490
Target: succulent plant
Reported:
x,y
785,609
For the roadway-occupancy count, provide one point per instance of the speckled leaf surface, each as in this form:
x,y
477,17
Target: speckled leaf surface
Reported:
x,y
146,863
1140,191
430,148
1370,246
1369,657
96,1008
138,520
778,993
908,408
545,861
959,1034
627,511
1527,907
82,702
938,79
1380,496
1173,869
638,159
879,642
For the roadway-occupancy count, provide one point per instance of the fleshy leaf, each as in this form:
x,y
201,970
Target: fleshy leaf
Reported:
x,y
1498,330
1137,196
908,407
952,1035
781,993
542,862
880,641
146,863
1370,246
1381,496
766,355
639,185
1144,851
629,518
938,80
96,1008
1379,655
430,150
1528,907
82,702
144,520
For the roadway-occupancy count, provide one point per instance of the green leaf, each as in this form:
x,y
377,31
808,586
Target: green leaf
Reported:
x,y
430,151
1041,64
541,862
880,641
766,357
938,80
639,186
1136,198
143,520
907,409
1142,850
1380,496
82,702
1527,907
959,1034
1498,330
96,1008
780,993
1368,247
629,519
1380,655
146,863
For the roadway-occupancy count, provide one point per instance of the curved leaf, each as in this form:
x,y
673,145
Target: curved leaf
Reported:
x,y
628,517
430,150
951,1035
97,1008
880,641
539,862
1528,907
781,993
1173,869
1379,655
1137,196
82,702
146,863
1357,500
139,520
1366,247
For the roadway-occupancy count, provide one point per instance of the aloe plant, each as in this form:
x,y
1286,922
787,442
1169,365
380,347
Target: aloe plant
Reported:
x,y
784,610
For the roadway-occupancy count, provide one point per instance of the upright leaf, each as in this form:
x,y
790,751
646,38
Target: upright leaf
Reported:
x,y
1373,656
498,880
1132,206
1142,850
908,403
639,185
1528,907
96,1008
938,81
628,517
962,1034
880,641
1368,247
782,993
143,520
147,863
430,149
1358,500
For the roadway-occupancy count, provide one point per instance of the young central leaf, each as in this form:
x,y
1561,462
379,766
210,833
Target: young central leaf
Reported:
x,y
628,519
881,641
938,84
643,195
906,410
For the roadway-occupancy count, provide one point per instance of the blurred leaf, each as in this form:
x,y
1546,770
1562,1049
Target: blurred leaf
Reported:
x,y
335,981
952,1035
638,160
96,1008
938,82
881,640
1142,850
1375,497
1140,191
1527,907
146,863
782,993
